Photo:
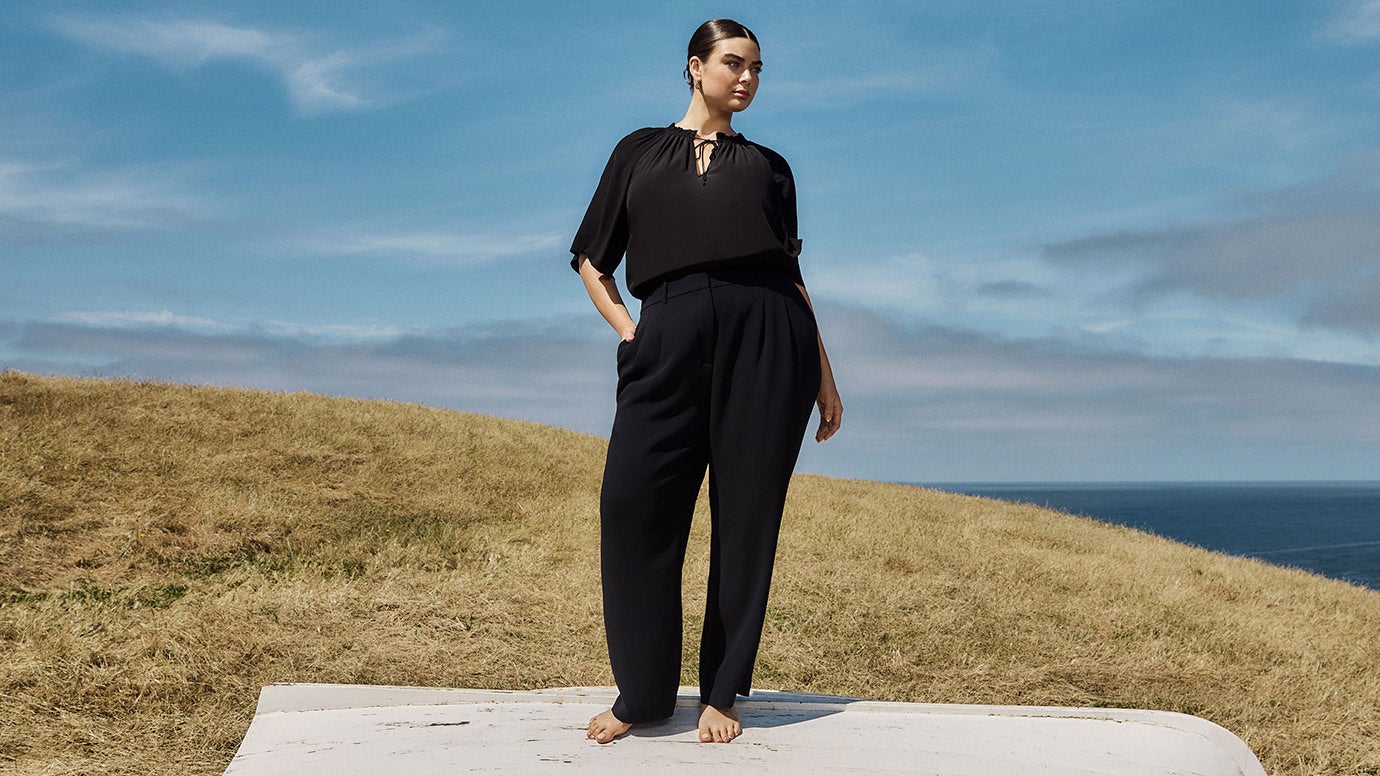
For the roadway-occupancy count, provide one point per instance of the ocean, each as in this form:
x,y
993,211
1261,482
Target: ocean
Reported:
x,y
1331,528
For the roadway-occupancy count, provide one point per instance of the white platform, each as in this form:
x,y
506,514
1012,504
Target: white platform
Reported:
x,y
343,730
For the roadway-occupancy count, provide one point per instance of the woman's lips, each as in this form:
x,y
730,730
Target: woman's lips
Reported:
x,y
740,93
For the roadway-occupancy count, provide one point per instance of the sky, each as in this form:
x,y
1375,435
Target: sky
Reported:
x,y
1056,240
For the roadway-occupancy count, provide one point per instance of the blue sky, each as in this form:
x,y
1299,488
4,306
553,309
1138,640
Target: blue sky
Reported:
x,y
1050,240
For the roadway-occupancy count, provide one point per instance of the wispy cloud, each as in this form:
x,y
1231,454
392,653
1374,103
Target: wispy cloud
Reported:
x,y
1278,125
539,370
40,200
1310,249
1357,23
332,332
1258,257
442,247
139,318
1103,300
165,319
318,79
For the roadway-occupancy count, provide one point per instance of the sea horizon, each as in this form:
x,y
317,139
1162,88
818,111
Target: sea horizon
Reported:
x,y
1329,527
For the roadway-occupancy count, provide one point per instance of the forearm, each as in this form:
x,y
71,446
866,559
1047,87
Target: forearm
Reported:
x,y
830,405
828,372
603,291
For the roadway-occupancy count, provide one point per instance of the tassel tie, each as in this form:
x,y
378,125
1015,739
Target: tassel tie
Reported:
x,y
701,145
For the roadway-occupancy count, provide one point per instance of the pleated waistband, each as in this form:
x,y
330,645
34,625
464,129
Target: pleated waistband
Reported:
x,y
719,276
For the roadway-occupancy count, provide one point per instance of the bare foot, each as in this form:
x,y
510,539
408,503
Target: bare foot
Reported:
x,y
605,727
719,725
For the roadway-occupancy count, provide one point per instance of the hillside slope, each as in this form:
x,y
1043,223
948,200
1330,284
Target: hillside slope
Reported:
x,y
166,550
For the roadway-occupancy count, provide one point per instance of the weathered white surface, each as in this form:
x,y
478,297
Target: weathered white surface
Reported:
x,y
343,730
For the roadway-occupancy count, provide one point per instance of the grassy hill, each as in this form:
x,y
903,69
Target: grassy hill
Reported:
x,y
166,550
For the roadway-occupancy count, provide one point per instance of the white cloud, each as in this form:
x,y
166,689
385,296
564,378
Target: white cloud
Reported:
x,y
317,81
185,43
122,319
324,333
1306,254
1358,23
333,332
1100,300
43,198
1018,296
446,247
318,84
1254,257
1279,124
539,370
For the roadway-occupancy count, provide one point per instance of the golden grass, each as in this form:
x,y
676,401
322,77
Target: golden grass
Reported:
x,y
166,550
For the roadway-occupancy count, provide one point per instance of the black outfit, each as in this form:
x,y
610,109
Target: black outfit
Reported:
x,y
722,372
650,202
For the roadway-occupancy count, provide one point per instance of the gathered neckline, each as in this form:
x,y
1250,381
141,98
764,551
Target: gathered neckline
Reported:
x,y
694,133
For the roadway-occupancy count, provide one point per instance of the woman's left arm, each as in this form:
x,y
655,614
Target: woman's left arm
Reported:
x,y
830,405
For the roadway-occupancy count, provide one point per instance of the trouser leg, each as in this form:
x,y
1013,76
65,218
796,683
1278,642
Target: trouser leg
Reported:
x,y
763,386
657,454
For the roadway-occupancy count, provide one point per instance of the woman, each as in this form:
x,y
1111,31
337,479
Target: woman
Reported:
x,y
720,370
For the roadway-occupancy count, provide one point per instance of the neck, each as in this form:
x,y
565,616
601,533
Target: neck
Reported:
x,y
701,117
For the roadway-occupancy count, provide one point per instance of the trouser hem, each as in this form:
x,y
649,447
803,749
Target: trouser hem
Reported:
x,y
624,714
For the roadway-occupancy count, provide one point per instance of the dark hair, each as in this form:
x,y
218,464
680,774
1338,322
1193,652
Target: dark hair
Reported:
x,y
707,36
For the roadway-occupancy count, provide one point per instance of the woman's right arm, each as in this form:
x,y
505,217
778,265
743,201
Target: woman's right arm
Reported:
x,y
603,291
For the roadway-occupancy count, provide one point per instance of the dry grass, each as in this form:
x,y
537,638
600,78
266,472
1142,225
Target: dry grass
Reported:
x,y
166,550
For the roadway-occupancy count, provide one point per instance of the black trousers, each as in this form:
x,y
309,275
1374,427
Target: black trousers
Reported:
x,y
723,372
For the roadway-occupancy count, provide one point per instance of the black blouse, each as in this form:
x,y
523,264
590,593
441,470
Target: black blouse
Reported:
x,y
652,204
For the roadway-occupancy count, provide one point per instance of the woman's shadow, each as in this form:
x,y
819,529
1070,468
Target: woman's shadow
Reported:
x,y
763,709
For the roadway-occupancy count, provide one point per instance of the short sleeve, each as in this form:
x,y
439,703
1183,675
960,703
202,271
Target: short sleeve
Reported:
x,y
785,198
603,234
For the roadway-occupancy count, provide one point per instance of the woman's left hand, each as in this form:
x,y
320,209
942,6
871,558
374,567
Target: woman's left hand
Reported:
x,y
830,408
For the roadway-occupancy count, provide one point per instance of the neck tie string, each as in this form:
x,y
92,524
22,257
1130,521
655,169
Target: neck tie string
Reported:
x,y
701,143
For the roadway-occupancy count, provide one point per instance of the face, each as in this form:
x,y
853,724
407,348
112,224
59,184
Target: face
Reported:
x,y
729,76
